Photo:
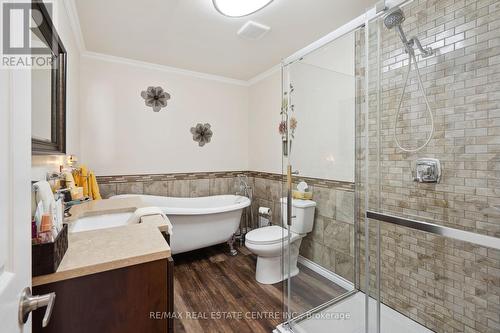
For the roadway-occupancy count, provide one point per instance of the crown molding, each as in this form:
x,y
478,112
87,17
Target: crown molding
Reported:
x,y
163,68
74,22
264,75
70,7
175,70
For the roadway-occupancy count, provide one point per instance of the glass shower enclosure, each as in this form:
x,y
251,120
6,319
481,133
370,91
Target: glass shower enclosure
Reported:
x,y
394,125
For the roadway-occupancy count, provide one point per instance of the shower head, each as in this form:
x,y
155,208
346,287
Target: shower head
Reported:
x,y
394,18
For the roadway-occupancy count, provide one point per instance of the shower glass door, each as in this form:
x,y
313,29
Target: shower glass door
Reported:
x,y
435,235
320,143
414,244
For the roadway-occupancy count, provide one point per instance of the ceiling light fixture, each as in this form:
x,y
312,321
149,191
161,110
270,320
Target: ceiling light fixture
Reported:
x,y
239,8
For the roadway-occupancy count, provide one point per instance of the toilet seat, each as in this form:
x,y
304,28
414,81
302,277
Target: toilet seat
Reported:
x,y
269,235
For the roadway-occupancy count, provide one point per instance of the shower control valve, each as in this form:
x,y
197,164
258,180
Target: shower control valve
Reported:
x,y
427,170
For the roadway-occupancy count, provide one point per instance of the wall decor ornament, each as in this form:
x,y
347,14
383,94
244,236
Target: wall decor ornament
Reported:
x,y
202,134
155,97
288,123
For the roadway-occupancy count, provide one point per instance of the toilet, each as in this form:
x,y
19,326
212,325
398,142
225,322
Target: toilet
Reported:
x,y
266,243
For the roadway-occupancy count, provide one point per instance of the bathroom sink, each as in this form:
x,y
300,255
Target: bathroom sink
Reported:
x,y
100,222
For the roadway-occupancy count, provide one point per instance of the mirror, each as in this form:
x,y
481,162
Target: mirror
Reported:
x,y
48,85
41,93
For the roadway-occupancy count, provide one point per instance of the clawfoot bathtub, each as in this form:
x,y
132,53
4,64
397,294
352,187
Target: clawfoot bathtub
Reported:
x,y
199,222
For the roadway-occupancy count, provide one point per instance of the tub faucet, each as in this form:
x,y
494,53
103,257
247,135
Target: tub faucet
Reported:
x,y
246,190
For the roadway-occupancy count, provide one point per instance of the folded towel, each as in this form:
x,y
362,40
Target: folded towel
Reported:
x,y
38,215
84,180
94,187
145,211
87,180
44,195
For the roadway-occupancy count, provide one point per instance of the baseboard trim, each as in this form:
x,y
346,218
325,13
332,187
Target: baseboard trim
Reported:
x,y
344,283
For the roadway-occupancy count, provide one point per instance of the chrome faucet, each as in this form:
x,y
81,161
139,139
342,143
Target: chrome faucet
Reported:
x,y
246,190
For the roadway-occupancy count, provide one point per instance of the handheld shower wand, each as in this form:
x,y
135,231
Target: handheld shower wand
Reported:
x,y
394,19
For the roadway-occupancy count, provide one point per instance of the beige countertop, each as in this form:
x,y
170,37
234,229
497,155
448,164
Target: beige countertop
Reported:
x,y
108,206
96,251
112,206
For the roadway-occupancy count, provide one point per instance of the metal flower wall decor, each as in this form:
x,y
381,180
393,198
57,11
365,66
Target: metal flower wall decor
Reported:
x,y
202,134
155,97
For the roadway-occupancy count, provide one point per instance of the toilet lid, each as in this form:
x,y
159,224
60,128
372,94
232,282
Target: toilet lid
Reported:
x,y
267,235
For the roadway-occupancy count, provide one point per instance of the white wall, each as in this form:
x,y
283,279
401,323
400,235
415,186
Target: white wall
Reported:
x,y
263,119
337,56
121,136
324,100
41,164
323,146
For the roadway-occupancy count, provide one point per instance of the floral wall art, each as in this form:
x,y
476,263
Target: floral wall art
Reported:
x,y
202,133
155,97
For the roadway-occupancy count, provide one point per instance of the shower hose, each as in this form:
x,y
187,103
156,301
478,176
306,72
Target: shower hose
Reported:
x,y
412,57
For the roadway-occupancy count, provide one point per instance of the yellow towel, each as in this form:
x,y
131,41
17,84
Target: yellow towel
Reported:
x,y
87,180
94,187
80,176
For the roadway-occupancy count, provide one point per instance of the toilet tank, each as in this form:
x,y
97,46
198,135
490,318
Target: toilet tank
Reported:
x,y
303,210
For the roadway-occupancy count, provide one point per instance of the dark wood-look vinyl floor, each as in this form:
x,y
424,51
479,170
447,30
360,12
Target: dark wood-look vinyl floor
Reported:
x,y
216,293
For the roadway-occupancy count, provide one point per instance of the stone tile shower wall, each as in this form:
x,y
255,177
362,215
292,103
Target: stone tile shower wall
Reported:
x,y
446,285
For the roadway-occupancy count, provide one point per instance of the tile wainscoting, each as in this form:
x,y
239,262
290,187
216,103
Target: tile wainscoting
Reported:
x,y
330,244
173,184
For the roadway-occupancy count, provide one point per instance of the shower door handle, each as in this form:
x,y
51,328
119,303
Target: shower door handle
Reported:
x,y
289,175
289,196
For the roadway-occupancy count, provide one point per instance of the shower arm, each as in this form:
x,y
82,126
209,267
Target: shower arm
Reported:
x,y
427,52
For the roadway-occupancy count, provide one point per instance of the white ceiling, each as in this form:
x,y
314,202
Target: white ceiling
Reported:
x,y
192,35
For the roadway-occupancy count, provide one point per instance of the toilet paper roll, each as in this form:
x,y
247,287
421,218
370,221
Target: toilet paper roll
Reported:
x,y
264,211
302,186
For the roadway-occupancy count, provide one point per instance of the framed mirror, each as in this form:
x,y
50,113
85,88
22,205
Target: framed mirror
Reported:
x,y
48,86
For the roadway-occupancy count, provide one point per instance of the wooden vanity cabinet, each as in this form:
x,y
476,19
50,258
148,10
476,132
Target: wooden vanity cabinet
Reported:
x,y
132,299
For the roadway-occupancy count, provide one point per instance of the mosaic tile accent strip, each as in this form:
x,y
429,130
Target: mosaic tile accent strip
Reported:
x,y
167,176
326,183
316,182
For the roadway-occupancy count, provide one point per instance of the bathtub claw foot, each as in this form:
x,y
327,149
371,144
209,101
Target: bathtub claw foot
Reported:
x,y
232,250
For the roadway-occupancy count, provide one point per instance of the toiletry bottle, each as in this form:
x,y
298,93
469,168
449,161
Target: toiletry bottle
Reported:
x,y
34,229
45,234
